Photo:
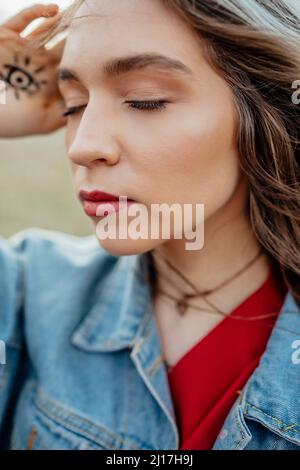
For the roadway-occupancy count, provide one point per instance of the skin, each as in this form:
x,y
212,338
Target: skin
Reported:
x,y
185,153
132,149
35,109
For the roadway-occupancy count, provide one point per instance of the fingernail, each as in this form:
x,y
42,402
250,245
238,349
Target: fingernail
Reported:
x,y
52,7
51,10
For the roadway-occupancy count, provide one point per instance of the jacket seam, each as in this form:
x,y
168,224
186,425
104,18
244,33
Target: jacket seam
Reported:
x,y
276,430
61,421
287,427
240,429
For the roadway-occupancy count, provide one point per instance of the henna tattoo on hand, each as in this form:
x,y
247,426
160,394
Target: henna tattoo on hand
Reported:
x,y
21,78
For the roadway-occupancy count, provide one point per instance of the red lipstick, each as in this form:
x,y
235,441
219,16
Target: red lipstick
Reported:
x,y
95,203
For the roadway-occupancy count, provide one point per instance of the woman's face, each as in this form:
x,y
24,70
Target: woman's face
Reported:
x,y
184,152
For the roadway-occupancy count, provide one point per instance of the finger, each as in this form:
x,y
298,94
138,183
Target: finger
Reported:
x,y
55,119
20,21
6,34
58,49
45,26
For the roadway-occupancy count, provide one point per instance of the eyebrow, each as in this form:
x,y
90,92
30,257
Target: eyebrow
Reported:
x,y
121,65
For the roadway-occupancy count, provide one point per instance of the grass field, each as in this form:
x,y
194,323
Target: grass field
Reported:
x,y
36,187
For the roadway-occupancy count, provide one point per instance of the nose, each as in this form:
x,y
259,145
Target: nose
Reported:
x,y
94,140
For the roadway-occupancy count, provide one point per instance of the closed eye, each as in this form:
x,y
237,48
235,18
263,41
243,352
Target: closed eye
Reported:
x,y
137,105
73,110
158,105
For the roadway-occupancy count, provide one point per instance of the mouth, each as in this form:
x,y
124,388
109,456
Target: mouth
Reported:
x,y
99,204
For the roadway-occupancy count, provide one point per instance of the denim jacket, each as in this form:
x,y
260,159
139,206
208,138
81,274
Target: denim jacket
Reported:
x,y
83,364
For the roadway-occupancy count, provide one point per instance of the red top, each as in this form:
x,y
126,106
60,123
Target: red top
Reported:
x,y
206,381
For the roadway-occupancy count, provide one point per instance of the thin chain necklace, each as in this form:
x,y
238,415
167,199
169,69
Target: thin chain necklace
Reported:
x,y
151,279
183,302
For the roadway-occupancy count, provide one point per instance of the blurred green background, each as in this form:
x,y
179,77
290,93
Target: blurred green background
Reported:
x,y
36,187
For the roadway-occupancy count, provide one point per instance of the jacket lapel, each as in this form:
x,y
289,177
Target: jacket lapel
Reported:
x,y
271,395
121,317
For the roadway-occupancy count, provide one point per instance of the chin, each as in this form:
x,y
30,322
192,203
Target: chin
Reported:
x,y
127,247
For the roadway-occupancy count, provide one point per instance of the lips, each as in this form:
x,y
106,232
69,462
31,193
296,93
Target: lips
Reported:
x,y
99,203
97,196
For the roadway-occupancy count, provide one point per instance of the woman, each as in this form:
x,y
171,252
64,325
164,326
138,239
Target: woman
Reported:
x,y
105,346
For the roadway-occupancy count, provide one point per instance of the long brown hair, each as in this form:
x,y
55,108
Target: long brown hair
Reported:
x,y
255,46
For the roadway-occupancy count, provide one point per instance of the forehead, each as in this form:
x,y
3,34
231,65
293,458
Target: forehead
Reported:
x,y
102,29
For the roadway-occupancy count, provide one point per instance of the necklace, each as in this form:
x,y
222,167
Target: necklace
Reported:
x,y
183,302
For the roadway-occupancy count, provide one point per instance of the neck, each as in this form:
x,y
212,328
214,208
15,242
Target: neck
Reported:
x,y
229,245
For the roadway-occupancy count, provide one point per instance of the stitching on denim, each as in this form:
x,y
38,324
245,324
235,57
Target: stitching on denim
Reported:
x,y
290,427
59,419
240,428
44,420
136,345
154,366
240,396
127,411
283,426
156,395
73,427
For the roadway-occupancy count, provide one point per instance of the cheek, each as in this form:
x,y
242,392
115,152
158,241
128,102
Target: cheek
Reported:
x,y
194,157
204,135
198,144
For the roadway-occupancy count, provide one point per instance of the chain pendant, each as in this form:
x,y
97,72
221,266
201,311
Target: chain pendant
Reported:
x,y
182,305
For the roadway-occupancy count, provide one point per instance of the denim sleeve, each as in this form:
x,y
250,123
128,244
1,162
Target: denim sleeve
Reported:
x,y
12,268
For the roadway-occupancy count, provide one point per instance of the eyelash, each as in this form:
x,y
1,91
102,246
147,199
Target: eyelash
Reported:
x,y
147,106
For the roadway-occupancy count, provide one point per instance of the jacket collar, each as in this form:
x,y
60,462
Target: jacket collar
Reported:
x,y
271,396
121,317
120,302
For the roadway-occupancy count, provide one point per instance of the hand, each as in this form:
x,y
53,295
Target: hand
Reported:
x,y
28,74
